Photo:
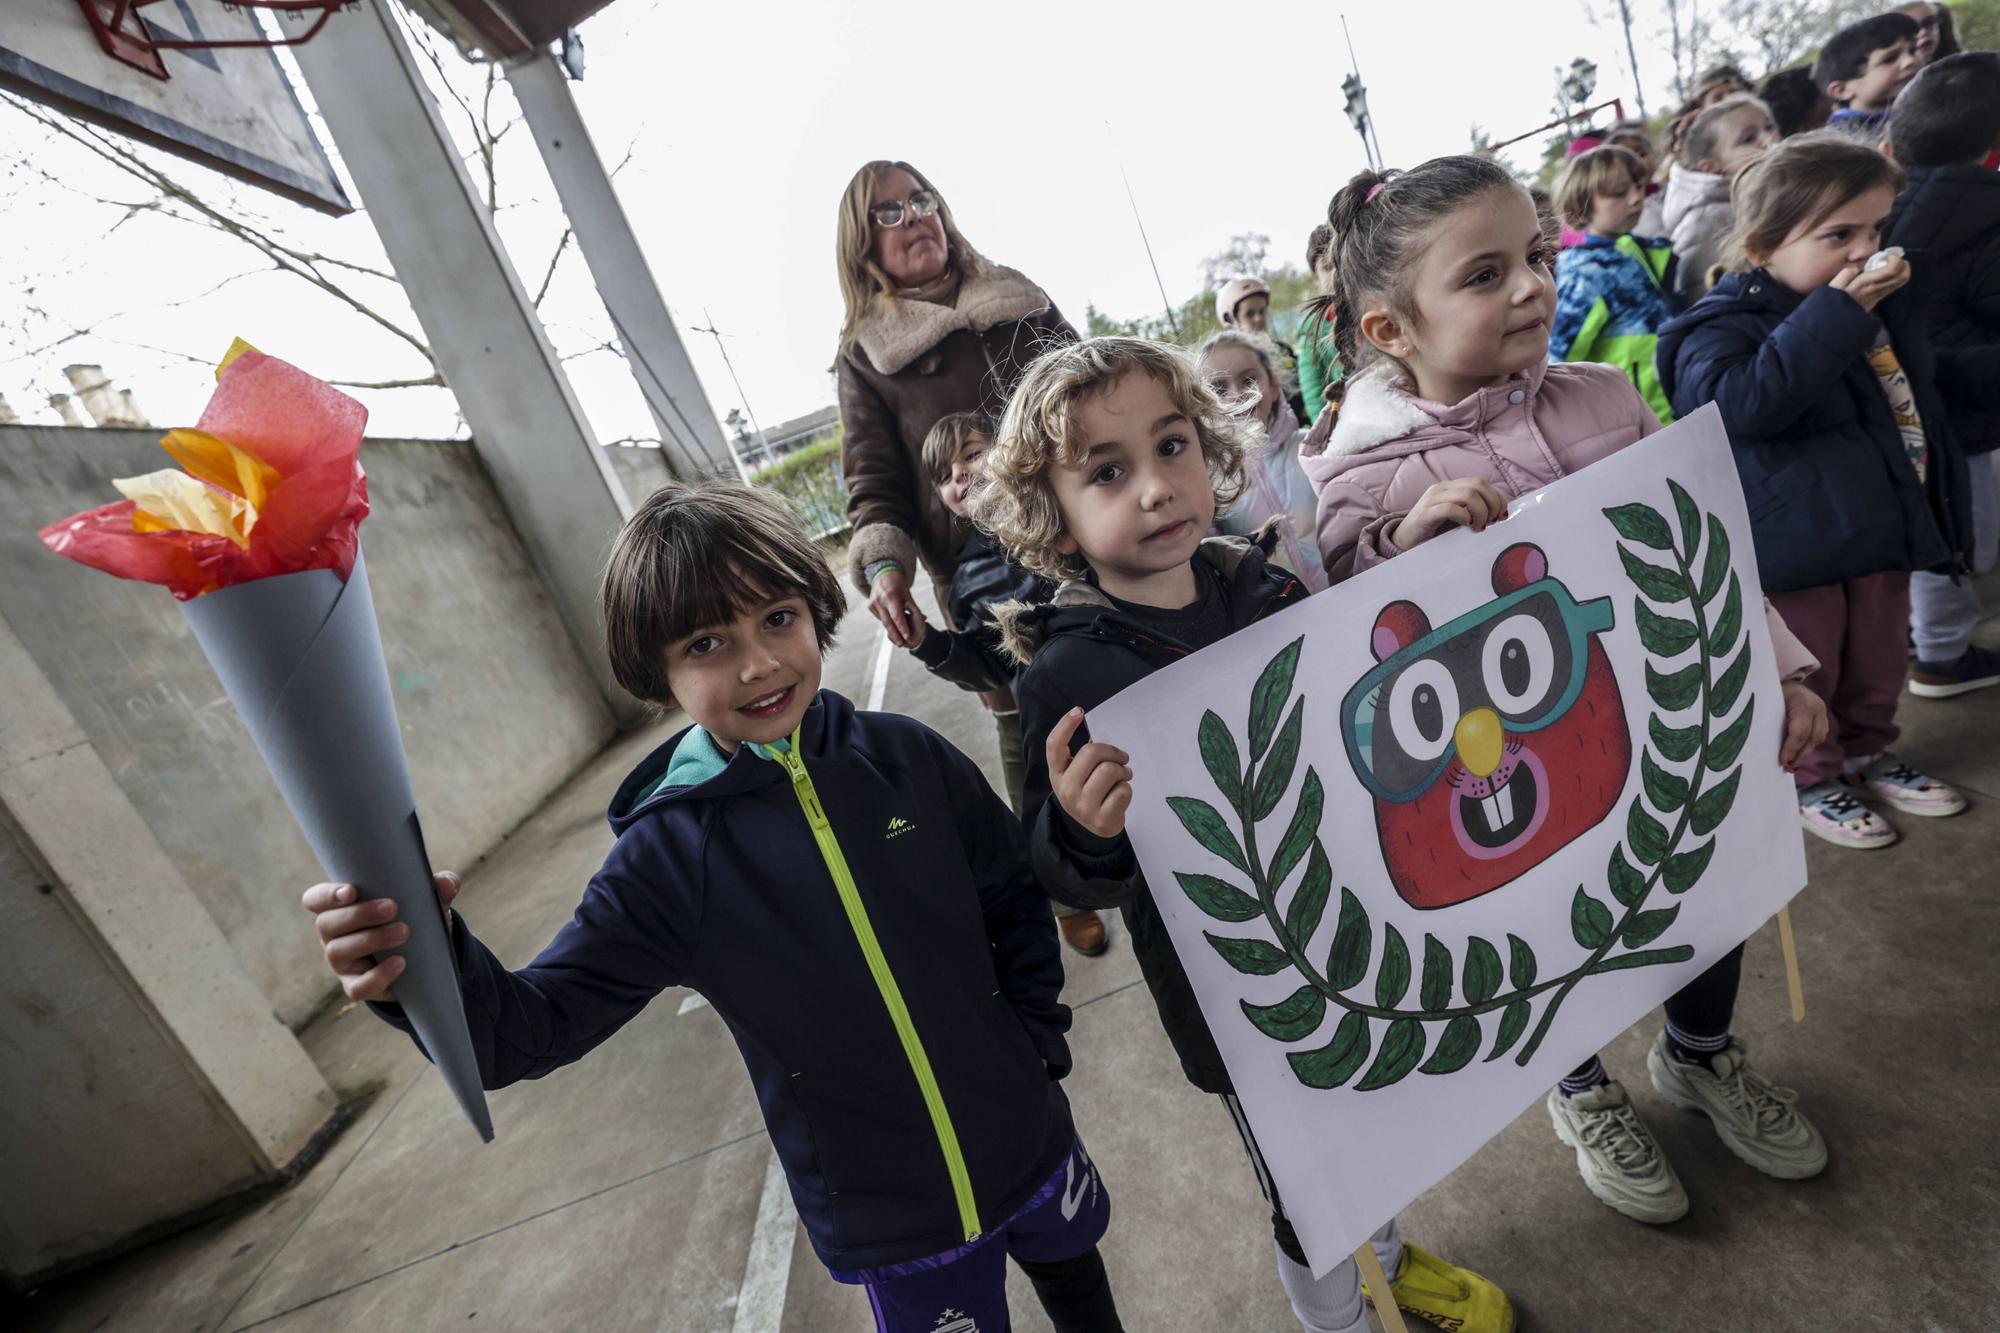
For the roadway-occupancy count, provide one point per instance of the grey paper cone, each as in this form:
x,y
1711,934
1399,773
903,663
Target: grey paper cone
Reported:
x,y
300,657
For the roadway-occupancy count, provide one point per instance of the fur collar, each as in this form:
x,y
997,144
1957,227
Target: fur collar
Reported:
x,y
892,334
1373,412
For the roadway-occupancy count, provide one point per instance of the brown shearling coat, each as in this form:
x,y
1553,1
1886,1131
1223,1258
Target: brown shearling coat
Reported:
x,y
912,362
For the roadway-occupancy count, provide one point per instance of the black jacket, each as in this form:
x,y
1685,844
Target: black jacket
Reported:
x,y
1948,220
1079,652
971,656
722,887
1832,495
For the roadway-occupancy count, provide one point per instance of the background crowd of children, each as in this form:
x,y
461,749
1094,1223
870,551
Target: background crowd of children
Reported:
x,y
1119,504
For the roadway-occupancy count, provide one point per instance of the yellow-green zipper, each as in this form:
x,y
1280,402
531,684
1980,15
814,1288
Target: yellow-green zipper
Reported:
x,y
885,982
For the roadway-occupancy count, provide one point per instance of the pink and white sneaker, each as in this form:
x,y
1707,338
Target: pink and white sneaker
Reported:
x,y
1831,811
1901,787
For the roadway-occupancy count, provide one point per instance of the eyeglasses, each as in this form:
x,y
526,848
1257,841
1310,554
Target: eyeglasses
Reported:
x,y
1524,655
894,212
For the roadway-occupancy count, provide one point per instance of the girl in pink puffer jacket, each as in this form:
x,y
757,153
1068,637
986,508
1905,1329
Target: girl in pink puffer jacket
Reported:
x,y
1443,280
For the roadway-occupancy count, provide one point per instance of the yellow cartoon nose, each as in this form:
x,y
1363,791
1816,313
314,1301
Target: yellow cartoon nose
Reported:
x,y
1480,741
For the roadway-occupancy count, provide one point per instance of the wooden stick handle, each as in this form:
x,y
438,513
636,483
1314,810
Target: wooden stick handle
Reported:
x,y
1791,949
1386,1309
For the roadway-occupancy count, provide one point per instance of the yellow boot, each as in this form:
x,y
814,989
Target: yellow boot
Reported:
x,y
1455,1299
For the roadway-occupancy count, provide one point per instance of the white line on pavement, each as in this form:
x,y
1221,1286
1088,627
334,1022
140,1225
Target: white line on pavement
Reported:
x,y
880,687
760,1301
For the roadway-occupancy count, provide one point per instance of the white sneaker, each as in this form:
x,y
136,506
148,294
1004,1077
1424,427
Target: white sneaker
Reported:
x,y
1756,1120
1616,1155
1832,812
1897,785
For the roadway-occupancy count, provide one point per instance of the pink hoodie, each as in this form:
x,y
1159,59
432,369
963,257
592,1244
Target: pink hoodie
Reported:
x,y
1389,446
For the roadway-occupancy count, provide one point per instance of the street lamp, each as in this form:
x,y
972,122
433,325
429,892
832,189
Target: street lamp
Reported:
x,y
1356,94
1581,81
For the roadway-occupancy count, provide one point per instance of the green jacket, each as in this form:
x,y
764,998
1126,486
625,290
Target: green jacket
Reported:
x,y
1319,366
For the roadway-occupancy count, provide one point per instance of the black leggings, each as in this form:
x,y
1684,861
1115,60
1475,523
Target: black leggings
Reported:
x,y
1076,1293
1704,1006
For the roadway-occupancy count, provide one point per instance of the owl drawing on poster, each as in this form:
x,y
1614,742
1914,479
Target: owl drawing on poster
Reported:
x,y
1492,741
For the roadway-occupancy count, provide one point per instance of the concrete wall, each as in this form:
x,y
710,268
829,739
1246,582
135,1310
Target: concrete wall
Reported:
x,y
497,706
639,471
82,1067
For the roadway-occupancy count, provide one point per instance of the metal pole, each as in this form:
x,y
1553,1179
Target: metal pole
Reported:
x,y
1132,199
743,397
1632,54
1373,150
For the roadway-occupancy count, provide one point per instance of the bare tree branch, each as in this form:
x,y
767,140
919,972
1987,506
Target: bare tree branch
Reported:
x,y
301,263
549,274
434,380
487,140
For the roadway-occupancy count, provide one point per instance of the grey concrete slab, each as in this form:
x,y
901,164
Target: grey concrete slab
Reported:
x,y
193,1280
632,1257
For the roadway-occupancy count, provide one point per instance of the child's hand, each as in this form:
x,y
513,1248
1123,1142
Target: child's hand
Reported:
x,y
1806,725
1462,502
1869,286
1093,786
351,931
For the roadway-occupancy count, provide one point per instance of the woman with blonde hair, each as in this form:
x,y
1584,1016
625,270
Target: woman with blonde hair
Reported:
x,y
931,327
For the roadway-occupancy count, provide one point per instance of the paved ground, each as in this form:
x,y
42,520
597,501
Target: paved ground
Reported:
x,y
636,1190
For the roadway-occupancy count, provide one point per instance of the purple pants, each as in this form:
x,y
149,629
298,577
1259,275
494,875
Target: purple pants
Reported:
x,y
965,1290
1859,632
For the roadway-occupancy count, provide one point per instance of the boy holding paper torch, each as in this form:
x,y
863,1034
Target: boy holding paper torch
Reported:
x,y
852,898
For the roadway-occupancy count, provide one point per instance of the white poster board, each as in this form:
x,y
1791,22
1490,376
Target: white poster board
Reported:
x,y
1428,840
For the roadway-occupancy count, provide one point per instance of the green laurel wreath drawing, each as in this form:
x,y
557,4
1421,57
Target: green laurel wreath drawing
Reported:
x,y
1676,789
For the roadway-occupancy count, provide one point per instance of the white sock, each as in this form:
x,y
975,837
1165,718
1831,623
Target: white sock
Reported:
x,y
1332,1304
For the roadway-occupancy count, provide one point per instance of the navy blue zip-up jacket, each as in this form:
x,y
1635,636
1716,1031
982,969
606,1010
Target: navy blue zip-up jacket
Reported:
x,y
1831,492
1947,219
971,657
721,887
1079,652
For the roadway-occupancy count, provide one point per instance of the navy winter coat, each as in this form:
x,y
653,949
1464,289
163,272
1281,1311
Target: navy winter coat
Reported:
x,y
1082,651
971,656
724,888
1947,220
1832,494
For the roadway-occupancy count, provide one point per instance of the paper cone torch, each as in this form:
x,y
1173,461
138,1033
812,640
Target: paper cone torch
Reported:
x,y
259,539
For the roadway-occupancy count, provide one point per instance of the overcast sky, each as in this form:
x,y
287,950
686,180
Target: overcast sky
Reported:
x,y
747,121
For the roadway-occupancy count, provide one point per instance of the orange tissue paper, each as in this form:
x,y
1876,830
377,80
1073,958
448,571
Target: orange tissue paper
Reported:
x,y
273,485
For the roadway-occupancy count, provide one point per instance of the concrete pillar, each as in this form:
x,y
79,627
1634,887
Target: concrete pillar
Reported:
x,y
526,422
653,350
143,1075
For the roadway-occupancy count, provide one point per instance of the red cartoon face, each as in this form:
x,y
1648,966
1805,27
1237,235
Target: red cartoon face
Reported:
x,y
1490,742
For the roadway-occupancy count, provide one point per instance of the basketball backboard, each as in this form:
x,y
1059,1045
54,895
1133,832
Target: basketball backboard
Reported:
x,y
231,108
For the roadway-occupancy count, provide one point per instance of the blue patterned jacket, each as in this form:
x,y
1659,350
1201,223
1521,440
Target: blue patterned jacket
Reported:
x,y
1612,299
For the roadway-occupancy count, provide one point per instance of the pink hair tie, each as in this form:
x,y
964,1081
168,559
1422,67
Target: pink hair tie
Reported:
x,y
1374,190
